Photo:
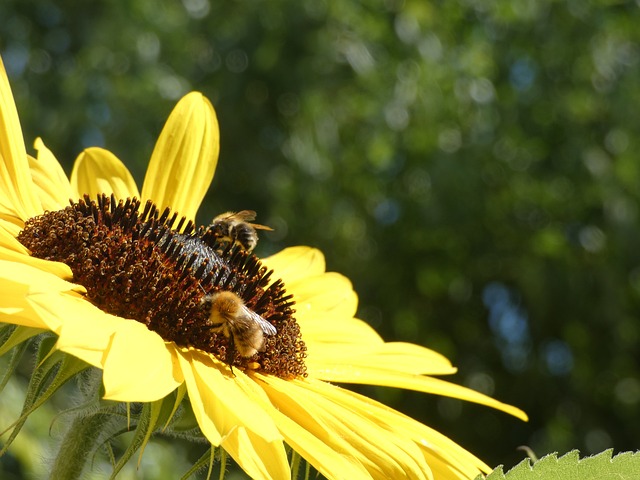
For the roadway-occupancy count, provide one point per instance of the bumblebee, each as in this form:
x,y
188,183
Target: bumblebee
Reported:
x,y
235,229
242,326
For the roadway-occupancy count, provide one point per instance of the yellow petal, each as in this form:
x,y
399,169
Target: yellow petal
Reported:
x,y
32,279
325,459
206,422
10,227
229,414
257,457
15,289
390,377
8,233
434,444
328,296
295,263
50,180
444,468
345,332
184,158
18,197
12,250
98,171
219,404
56,268
84,330
22,317
354,359
139,365
347,431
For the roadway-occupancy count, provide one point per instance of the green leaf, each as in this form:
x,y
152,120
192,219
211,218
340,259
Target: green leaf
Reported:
x,y
624,466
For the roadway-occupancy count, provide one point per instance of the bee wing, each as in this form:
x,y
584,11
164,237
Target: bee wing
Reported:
x,y
261,227
242,216
245,215
222,217
265,326
248,216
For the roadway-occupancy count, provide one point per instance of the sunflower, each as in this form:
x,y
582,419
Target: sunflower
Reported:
x,y
255,407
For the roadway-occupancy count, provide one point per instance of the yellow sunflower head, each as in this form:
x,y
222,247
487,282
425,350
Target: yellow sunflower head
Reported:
x,y
166,310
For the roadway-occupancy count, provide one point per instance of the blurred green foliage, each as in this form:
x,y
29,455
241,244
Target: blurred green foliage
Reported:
x,y
469,165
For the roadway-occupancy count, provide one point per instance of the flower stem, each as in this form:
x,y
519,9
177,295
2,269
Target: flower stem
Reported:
x,y
85,435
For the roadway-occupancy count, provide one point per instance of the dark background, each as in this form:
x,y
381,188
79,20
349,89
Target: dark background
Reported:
x,y
472,166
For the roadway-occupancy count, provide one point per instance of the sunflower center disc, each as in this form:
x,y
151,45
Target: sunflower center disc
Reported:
x,y
136,265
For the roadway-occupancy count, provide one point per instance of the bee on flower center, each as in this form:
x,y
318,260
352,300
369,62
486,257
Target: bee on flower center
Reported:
x,y
235,229
244,328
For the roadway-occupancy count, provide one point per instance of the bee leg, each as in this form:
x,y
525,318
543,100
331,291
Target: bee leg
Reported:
x,y
231,353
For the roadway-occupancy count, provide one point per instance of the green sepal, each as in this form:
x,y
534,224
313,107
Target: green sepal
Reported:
x,y
180,392
16,354
53,370
91,396
295,464
207,458
86,433
18,335
12,336
152,415
145,423
307,471
6,329
223,463
187,422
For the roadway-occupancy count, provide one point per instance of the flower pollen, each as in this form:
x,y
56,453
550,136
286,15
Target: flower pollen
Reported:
x,y
136,265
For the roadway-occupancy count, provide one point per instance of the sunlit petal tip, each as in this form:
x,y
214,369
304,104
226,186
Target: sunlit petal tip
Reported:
x,y
49,178
17,192
328,297
294,263
326,339
185,157
98,171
